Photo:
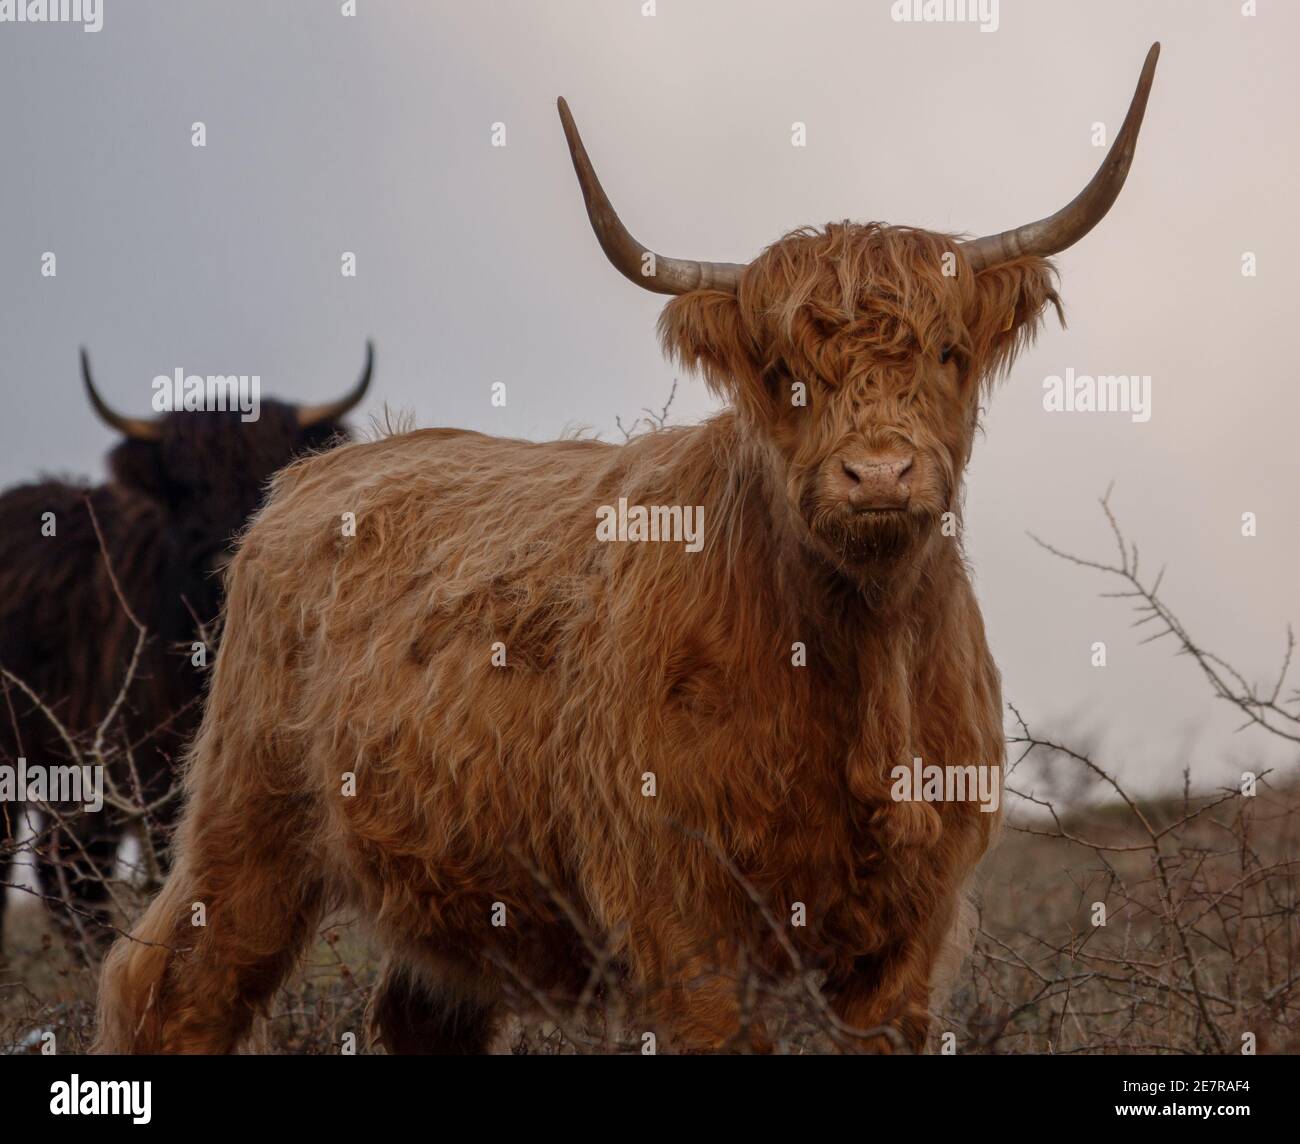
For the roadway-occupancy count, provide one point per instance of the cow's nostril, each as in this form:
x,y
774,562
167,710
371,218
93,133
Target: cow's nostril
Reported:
x,y
851,473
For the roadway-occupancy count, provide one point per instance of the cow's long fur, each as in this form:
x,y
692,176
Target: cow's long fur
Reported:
x,y
524,784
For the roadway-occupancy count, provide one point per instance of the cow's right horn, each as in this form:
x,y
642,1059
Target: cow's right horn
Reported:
x,y
136,428
647,269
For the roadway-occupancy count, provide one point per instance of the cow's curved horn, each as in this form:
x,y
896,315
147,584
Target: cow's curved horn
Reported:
x,y
1088,208
309,415
670,275
136,428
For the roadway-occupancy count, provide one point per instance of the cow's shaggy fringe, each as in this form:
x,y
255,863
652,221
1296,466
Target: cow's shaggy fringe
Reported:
x,y
361,747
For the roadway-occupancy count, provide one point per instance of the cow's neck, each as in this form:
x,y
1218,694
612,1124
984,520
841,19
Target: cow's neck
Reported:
x,y
900,609
883,598
873,638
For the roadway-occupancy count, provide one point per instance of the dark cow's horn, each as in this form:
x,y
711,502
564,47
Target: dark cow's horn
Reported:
x,y
657,273
136,428
309,415
1063,229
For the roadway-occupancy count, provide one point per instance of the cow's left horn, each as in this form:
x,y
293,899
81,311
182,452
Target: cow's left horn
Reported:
x,y
1056,232
309,415
647,269
136,428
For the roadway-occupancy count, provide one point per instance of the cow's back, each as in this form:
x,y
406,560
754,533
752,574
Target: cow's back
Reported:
x,y
431,623
53,611
66,635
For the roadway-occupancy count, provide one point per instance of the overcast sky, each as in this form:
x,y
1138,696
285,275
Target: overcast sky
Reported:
x,y
373,134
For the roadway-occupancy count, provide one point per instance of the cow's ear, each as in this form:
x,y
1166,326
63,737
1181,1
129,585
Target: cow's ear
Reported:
x,y
705,331
1010,301
138,465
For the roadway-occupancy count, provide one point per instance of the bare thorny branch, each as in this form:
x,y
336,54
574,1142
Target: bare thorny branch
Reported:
x,y
652,420
1265,708
1198,950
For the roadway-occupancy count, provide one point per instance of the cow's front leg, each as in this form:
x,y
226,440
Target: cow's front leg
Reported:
x,y
707,1008
893,987
694,994
888,991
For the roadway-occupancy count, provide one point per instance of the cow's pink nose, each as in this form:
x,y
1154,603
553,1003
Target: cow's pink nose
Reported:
x,y
875,482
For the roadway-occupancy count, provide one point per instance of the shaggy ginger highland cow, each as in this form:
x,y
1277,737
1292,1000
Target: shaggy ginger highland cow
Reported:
x,y
362,747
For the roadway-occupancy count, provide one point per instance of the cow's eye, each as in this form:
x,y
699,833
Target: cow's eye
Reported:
x,y
945,355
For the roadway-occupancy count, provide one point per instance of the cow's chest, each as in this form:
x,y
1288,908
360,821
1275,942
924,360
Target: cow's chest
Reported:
x,y
845,864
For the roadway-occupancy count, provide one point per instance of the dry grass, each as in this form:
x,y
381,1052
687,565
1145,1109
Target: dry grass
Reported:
x,y
1201,944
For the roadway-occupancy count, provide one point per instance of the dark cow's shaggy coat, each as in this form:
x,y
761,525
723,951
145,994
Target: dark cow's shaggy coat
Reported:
x,y
168,515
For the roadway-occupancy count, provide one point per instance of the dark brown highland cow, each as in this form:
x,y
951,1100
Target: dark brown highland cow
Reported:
x,y
181,488
362,747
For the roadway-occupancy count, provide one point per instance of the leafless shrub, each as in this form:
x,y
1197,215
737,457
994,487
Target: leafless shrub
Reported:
x,y
1198,952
